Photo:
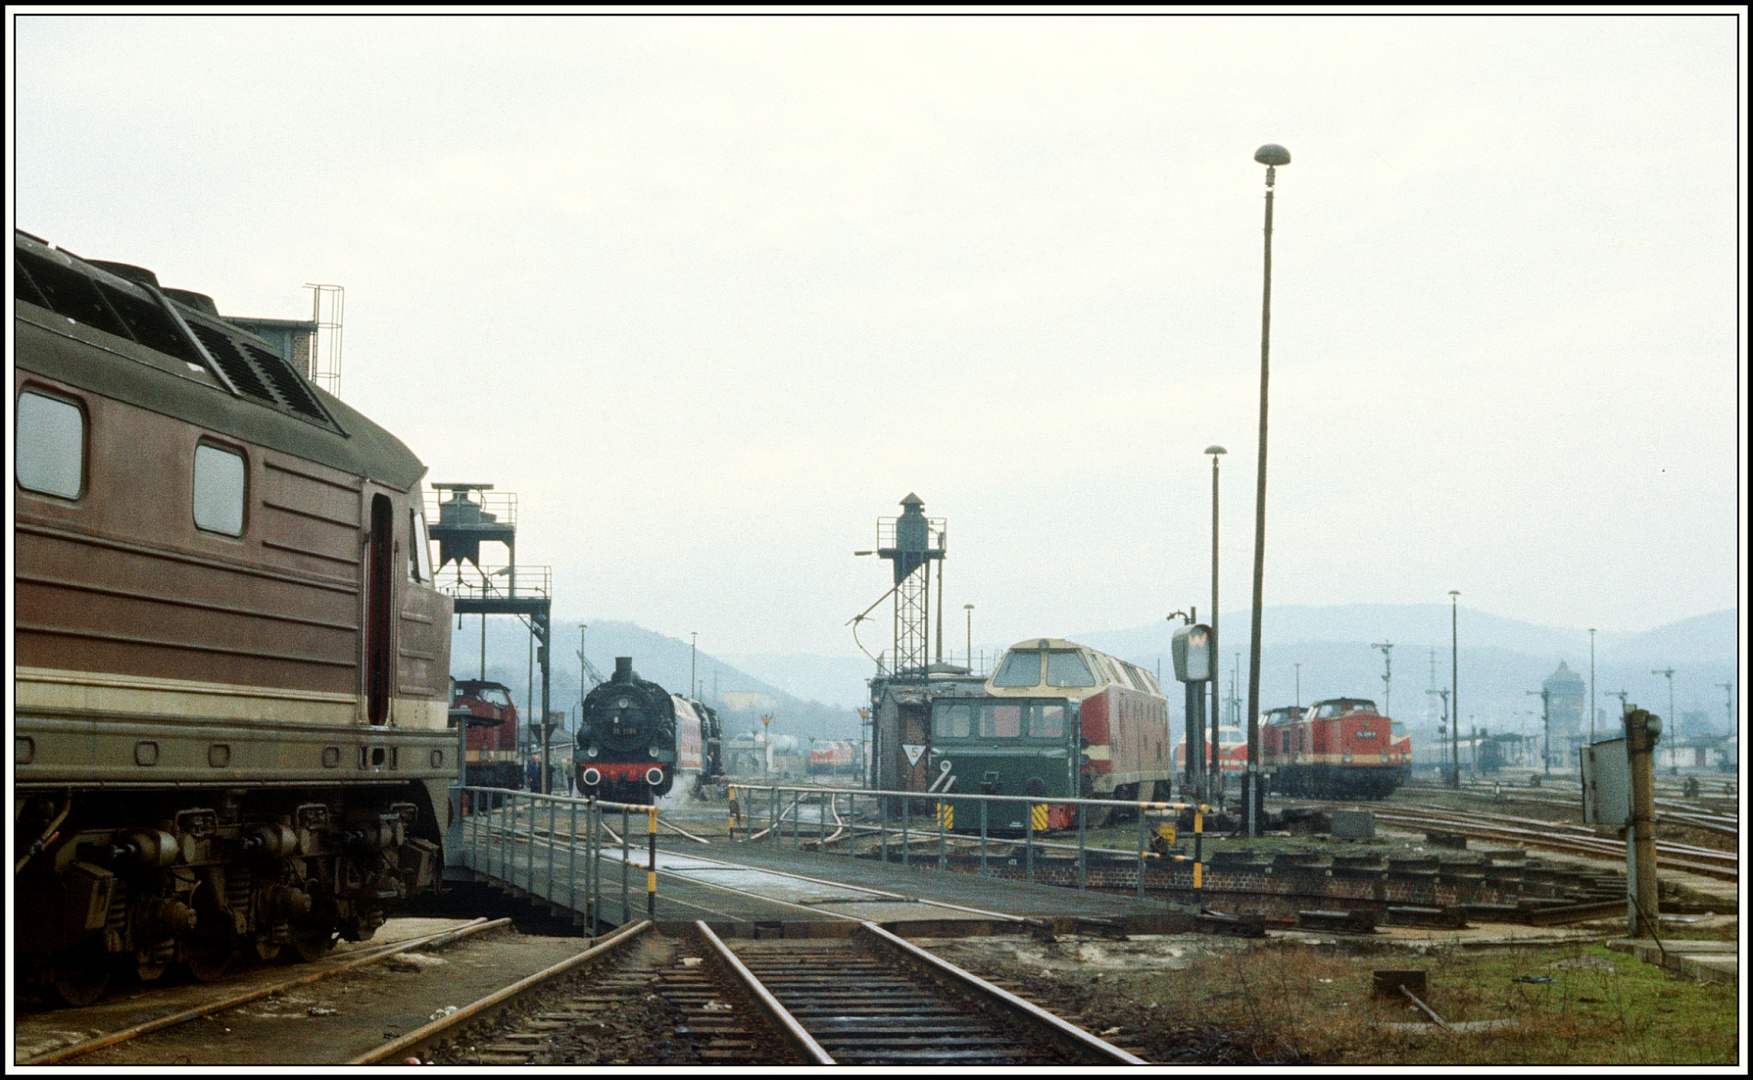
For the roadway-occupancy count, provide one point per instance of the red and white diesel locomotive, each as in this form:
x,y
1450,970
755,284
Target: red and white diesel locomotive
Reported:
x,y
1340,748
491,759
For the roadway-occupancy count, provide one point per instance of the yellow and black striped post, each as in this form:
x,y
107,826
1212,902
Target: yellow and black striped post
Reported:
x,y
731,799
1198,847
946,815
1038,812
651,864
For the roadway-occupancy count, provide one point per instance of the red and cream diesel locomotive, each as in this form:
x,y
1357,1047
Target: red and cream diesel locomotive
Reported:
x,y
1340,748
486,708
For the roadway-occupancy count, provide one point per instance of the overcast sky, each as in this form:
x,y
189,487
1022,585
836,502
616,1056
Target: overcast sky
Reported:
x,y
712,294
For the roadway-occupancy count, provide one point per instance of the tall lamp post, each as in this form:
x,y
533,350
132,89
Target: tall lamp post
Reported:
x,y
1271,155
693,652
969,608
1216,777
1454,687
1387,648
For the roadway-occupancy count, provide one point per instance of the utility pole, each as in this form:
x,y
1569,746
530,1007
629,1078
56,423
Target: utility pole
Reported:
x,y
1454,680
1387,648
1299,686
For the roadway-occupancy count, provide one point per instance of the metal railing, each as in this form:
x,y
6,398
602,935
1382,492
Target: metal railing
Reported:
x,y
760,813
551,847
498,582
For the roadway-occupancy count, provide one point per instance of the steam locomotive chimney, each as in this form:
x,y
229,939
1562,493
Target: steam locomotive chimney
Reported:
x,y
623,669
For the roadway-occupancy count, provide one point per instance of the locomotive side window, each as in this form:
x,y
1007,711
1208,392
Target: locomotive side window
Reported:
x,y
1068,669
1021,668
1001,721
1048,722
51,446
419,553
219,490
953,722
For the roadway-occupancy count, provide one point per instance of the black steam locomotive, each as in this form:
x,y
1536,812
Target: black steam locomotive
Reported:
x,y
626,748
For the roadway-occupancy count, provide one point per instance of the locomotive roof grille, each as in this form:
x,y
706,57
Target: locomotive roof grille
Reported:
x,y
236,368
95,302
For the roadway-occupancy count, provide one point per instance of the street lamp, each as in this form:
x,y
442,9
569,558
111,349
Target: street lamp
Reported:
x,y
1454,681
1387,648
1271,155
693,652
969,608
1299,686
1216,706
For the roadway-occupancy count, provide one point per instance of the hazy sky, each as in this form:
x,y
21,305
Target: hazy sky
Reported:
x,y
711,294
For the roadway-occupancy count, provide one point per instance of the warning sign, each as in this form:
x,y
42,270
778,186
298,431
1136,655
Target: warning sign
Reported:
x,y
913,752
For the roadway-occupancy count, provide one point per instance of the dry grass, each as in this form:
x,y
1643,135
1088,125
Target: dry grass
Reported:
x,y
1295,1003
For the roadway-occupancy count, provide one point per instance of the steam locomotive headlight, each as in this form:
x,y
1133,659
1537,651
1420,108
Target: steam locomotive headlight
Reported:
x,y
621,703
654,776
653,751
592,777
591,750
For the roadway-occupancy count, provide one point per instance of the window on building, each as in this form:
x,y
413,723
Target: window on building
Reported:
x,y
51,445
219,490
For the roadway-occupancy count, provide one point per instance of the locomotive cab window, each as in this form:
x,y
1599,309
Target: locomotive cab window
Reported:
x,y
1068,669
219,490
1048,722
1001,721
51,446
419,553
952,722
1021,668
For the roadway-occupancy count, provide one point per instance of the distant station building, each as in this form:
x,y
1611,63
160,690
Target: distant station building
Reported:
x,y
1567,702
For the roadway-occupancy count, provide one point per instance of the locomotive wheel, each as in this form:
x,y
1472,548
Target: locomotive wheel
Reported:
x,y
80,986
309,945
208,959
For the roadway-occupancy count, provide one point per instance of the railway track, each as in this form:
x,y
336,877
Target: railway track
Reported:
x,y
340,966
868,999
1559,836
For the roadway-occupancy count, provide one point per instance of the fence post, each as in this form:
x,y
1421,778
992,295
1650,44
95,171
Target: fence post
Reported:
x,y
626,859
1141,851
1082,863
1029,843
983,805
572,860
906,811
651,864
883,824
553,841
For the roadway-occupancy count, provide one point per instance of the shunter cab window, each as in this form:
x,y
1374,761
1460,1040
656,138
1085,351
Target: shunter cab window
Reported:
x,y
1001,721
954,722
1068,669
1021,668
219,490
51,446
1048,722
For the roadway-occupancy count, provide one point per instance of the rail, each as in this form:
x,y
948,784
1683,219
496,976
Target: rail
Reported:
x,y
759,812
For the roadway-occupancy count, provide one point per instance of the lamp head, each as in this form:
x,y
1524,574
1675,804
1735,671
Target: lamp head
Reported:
x,y
1216,450
1272,154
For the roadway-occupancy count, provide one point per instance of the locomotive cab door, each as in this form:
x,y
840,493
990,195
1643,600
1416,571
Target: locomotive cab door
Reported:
x,y
379,607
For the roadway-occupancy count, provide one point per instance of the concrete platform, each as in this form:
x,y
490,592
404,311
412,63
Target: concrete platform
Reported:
x,y
1706,961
